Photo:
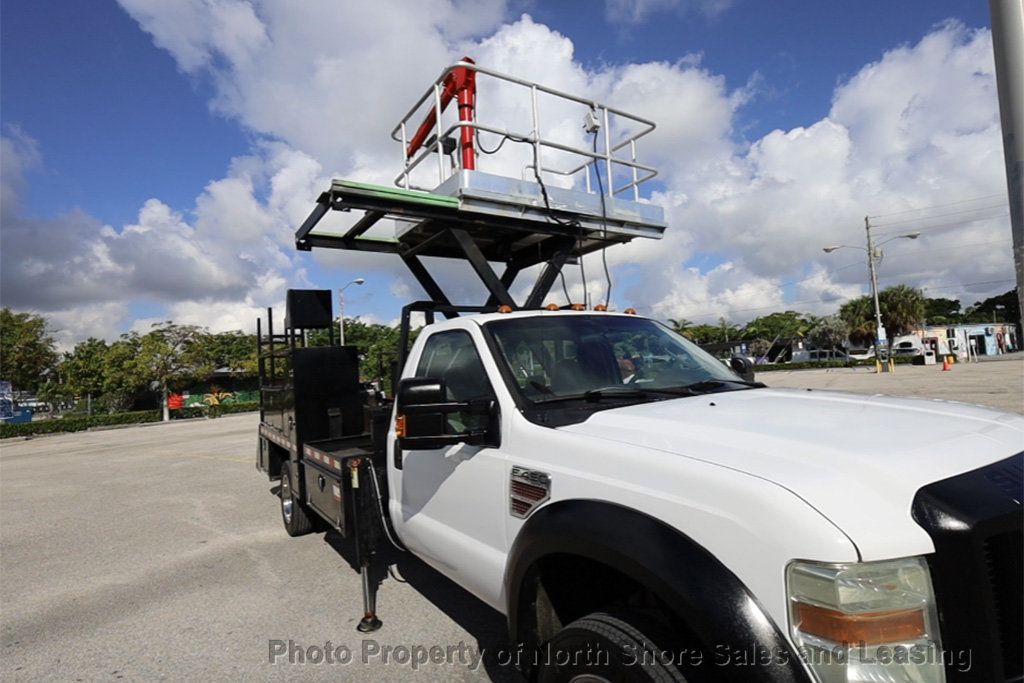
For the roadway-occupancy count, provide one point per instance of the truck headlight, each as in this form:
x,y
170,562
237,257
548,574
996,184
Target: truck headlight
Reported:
x,y
867,621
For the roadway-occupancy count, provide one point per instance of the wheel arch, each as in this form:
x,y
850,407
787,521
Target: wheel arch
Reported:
x,y
720,615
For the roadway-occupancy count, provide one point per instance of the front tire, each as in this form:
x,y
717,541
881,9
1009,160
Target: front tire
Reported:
x,y
612,647
293,512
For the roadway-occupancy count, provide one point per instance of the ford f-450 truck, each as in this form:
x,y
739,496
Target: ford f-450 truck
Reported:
x,y
636,508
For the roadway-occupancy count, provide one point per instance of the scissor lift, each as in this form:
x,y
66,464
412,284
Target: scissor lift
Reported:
x,y
463,212
468,213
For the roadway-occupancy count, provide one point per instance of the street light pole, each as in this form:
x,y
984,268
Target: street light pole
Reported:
x,y
341,306
879,330
873,254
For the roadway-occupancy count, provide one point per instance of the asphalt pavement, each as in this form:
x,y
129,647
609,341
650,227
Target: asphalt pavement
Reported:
x,y
157,553
995,382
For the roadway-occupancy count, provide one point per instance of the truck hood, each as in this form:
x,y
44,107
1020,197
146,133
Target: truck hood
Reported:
x,y
859,460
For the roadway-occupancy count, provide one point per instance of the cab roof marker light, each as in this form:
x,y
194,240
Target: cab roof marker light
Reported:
x,y
630,311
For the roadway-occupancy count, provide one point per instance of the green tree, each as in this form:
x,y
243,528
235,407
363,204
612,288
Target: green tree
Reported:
x,y
27,350
902,309
681,325
780,325
710,334
829,332
174,354
124,375
234,350
1002,307
942,311
83,370
859,316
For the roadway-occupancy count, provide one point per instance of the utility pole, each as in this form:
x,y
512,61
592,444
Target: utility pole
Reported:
x,y
1008,50
880,332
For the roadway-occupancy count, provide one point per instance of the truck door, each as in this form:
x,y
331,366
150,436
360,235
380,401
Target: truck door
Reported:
x,y
446,503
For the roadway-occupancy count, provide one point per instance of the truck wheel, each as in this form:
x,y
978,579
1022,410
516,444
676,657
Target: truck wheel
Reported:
x,y
610,647
293,512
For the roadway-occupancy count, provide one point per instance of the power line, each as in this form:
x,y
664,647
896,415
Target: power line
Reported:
x,y
938,215
940,206
944,225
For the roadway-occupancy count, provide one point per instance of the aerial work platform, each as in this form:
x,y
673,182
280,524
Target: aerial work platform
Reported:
x,y
485,217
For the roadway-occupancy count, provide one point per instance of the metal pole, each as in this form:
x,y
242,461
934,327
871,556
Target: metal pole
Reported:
x,y
341,318
879,330
1008,50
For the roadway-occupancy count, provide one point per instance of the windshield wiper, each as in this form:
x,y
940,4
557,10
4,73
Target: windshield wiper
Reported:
x,y
708,385
594,395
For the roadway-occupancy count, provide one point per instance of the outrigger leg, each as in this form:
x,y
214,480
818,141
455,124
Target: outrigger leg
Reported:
x,y
369,623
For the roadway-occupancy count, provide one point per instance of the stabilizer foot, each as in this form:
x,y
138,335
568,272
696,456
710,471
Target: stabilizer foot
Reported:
x,y
369,624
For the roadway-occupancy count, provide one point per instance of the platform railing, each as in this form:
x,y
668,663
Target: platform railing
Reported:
x,y
588,159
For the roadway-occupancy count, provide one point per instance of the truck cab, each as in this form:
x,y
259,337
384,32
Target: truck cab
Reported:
x,y
669,494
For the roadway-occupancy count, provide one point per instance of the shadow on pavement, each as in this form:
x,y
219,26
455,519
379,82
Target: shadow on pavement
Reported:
x,y
481,621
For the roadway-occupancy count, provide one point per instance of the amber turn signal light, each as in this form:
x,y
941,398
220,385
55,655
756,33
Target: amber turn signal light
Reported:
x,y
870,628
400,426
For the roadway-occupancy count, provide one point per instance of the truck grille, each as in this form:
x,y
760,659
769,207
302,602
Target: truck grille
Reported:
x,y
1004,555
975,521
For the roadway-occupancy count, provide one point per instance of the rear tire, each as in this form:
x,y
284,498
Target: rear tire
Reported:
x,y
294,514
615,647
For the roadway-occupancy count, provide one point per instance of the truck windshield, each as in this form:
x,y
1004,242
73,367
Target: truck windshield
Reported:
x,y
565,356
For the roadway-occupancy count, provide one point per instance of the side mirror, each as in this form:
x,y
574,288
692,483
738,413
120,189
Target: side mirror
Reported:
x,y
742,366
422,411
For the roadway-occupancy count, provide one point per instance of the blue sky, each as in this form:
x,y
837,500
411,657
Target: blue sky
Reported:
x,y
106,108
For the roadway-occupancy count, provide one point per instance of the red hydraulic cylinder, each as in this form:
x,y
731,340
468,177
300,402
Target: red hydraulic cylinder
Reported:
x,y
460,84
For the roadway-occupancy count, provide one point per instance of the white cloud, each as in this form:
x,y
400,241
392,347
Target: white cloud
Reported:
x,y
634,12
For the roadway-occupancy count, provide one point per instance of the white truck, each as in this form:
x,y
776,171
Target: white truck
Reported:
x,y
638,510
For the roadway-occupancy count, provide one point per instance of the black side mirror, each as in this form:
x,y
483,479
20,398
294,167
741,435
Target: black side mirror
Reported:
x,y
423,407
743,367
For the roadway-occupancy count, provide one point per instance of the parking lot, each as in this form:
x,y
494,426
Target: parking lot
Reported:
x,y
157,552
996,382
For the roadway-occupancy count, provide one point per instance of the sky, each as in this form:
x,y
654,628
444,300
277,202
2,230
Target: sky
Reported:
x,y
157,155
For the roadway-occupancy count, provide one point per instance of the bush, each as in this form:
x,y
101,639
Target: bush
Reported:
x,y
240,407
78,424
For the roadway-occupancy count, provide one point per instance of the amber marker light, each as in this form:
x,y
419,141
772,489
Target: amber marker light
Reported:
x,y
551,307
578,307
504,308
630,311
870,628
400,426
601,308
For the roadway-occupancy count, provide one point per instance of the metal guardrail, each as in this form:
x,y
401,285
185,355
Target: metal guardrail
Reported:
x,y
603,114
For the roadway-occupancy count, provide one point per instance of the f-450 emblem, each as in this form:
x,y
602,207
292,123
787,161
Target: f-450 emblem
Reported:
x,y
527,490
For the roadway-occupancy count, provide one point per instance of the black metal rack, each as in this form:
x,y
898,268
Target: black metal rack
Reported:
x,y
443,228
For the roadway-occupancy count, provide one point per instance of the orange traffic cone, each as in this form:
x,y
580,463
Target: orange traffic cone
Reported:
x,y
945,364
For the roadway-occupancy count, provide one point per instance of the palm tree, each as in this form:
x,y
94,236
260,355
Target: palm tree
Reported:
x,y
859,315
902,309
681,326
